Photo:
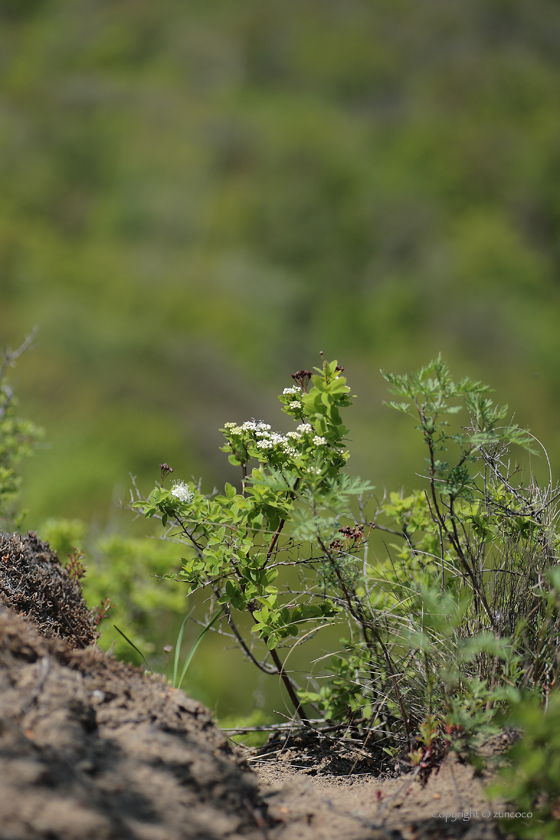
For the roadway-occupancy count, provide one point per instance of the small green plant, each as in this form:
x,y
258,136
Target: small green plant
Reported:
x,y
75,565
18,437
178,678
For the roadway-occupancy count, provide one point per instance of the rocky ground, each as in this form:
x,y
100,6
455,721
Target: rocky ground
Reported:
x,y
93,749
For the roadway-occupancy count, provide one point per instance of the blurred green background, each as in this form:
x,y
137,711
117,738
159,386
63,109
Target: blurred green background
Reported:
x,y
198,197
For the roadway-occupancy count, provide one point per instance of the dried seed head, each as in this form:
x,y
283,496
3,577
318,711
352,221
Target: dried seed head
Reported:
x,y
165,470
302,377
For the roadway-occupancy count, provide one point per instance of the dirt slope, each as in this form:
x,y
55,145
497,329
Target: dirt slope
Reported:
x,y
92,749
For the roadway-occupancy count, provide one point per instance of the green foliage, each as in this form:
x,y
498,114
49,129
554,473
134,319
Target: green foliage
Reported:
x,y
64,535
438,632
444,632
178,678
531,778
428,396
470,588
18,438
464,507
288,514
346,693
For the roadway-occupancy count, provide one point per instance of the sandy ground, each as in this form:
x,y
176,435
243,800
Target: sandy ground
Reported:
x,y
326,807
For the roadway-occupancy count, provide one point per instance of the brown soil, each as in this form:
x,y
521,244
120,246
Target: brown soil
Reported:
x,y
93,749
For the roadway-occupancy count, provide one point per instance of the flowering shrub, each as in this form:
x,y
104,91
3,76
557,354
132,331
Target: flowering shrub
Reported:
x,y
438,631
291,506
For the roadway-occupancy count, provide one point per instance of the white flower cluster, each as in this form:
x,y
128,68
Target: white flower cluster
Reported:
x,y
294,405
255,426
274,437
288,391
181,491
274,440
249,426
314,470
267,440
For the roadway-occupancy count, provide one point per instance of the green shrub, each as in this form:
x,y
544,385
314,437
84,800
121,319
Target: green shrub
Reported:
x,y
286,517
451,624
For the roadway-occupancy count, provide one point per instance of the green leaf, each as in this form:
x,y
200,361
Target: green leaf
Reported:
x,y
194,647
131,643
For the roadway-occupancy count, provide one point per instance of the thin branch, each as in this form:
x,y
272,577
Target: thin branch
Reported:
x,y
10,356
244,645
